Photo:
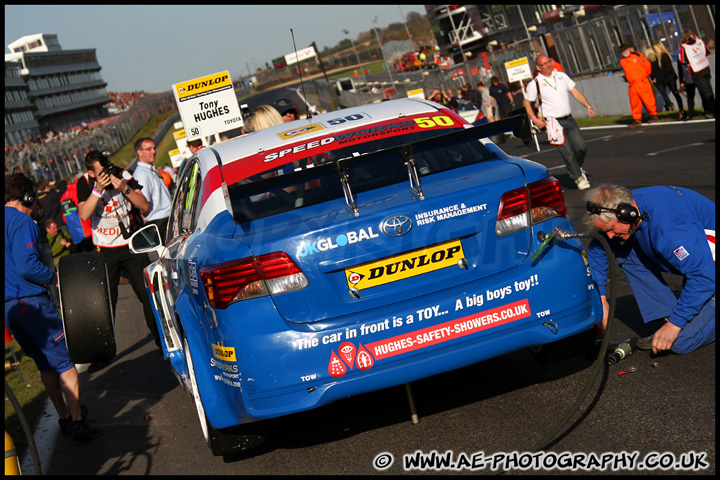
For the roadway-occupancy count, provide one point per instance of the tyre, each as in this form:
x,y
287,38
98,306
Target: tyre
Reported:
x,y
221,441
86,308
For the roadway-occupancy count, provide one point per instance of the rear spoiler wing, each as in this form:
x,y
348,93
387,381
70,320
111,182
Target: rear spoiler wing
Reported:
x,y
341,166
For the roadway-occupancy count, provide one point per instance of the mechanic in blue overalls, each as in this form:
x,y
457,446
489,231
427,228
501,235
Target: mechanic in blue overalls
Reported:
x,y
654,230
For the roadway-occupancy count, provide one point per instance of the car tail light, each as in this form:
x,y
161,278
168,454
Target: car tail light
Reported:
x,y
251,277
523,207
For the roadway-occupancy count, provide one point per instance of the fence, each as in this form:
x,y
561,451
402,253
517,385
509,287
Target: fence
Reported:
x,y
63,156
607,93
587,51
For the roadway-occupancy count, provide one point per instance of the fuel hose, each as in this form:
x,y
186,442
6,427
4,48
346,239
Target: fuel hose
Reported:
x,y
599,362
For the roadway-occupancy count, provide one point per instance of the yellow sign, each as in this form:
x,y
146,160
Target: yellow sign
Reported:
x,y
515,63
203,86
414,263
207,106
296,132
224,353
417,93
179,134
518,70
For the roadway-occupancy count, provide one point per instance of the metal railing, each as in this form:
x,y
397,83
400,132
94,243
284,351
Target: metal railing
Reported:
x,y
62,157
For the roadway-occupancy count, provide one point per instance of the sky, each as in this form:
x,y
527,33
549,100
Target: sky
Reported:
x,y
151,47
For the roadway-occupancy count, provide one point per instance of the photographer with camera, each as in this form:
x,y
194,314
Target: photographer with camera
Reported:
x,y
111,199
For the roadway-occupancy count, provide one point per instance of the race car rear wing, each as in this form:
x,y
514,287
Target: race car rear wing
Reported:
x,y
263,197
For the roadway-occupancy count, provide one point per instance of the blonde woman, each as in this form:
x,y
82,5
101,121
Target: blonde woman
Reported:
x,y
666,78
264,116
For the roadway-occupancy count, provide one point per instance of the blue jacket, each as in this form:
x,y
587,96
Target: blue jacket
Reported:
x,y
672,234
25,274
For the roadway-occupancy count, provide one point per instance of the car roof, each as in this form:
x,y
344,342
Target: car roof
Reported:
x,y
321,125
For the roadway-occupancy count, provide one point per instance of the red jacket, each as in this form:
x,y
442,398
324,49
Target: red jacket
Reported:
x,y
71,194
637,68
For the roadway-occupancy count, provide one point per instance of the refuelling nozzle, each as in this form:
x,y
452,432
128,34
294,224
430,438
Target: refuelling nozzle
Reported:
x,y
623,350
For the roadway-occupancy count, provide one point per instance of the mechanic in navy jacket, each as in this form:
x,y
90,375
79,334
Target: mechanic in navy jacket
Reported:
x,y
654,230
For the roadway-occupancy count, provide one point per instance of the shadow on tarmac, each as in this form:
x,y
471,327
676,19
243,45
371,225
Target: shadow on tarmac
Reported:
x,y
120,397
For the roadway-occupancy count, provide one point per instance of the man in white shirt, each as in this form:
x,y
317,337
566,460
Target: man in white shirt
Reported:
x,y
555,89
154,188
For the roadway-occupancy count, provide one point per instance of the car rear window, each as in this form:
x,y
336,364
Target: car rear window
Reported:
x,y
367,166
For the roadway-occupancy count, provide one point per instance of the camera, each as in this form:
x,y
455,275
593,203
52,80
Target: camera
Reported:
x,y
114,170
108,166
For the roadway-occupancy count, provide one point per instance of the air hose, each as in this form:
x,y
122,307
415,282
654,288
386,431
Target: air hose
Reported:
x,y
25,426
600,360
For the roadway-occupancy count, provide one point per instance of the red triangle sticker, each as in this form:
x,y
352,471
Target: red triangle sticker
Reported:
x,y
347,353
364,360
336,368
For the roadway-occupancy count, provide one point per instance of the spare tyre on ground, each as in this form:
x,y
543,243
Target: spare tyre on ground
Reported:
x,y
86,307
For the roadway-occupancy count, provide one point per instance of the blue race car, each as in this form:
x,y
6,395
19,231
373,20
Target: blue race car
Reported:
x,y
354,251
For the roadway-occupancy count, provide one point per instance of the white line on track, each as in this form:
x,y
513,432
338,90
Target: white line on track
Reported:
x,y
652,154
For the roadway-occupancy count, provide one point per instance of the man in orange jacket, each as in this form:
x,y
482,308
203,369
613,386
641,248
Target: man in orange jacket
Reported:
x,y
637,69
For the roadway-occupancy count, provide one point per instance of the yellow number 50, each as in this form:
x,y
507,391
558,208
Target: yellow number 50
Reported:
x,y
427,122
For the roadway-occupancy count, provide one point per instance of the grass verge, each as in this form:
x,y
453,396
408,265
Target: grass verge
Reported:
x,y
125,155
627,119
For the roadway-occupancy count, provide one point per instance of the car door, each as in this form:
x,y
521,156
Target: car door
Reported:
x,y
183,218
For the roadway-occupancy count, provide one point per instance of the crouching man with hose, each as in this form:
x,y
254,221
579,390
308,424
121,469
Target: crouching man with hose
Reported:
x,y
653,230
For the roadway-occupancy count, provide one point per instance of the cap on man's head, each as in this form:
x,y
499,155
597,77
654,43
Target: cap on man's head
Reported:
x,y
283,106
624,47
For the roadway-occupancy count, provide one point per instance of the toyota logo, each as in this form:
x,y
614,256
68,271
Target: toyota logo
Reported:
x,y
396,226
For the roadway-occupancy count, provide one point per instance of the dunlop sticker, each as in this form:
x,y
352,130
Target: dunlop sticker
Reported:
x,y
414,263
224,353
203,86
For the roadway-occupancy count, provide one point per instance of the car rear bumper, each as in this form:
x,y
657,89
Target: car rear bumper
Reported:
x,y
300,367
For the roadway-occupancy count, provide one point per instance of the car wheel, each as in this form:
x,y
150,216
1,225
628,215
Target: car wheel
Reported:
x,y
225,441
86,307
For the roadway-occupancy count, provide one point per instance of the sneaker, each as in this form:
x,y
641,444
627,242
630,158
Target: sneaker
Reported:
x,y
582,183
653,119
709,115
82,430
635,124
66,423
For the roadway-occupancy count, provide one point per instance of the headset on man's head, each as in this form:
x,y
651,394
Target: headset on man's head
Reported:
x,y
28,198
624,212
